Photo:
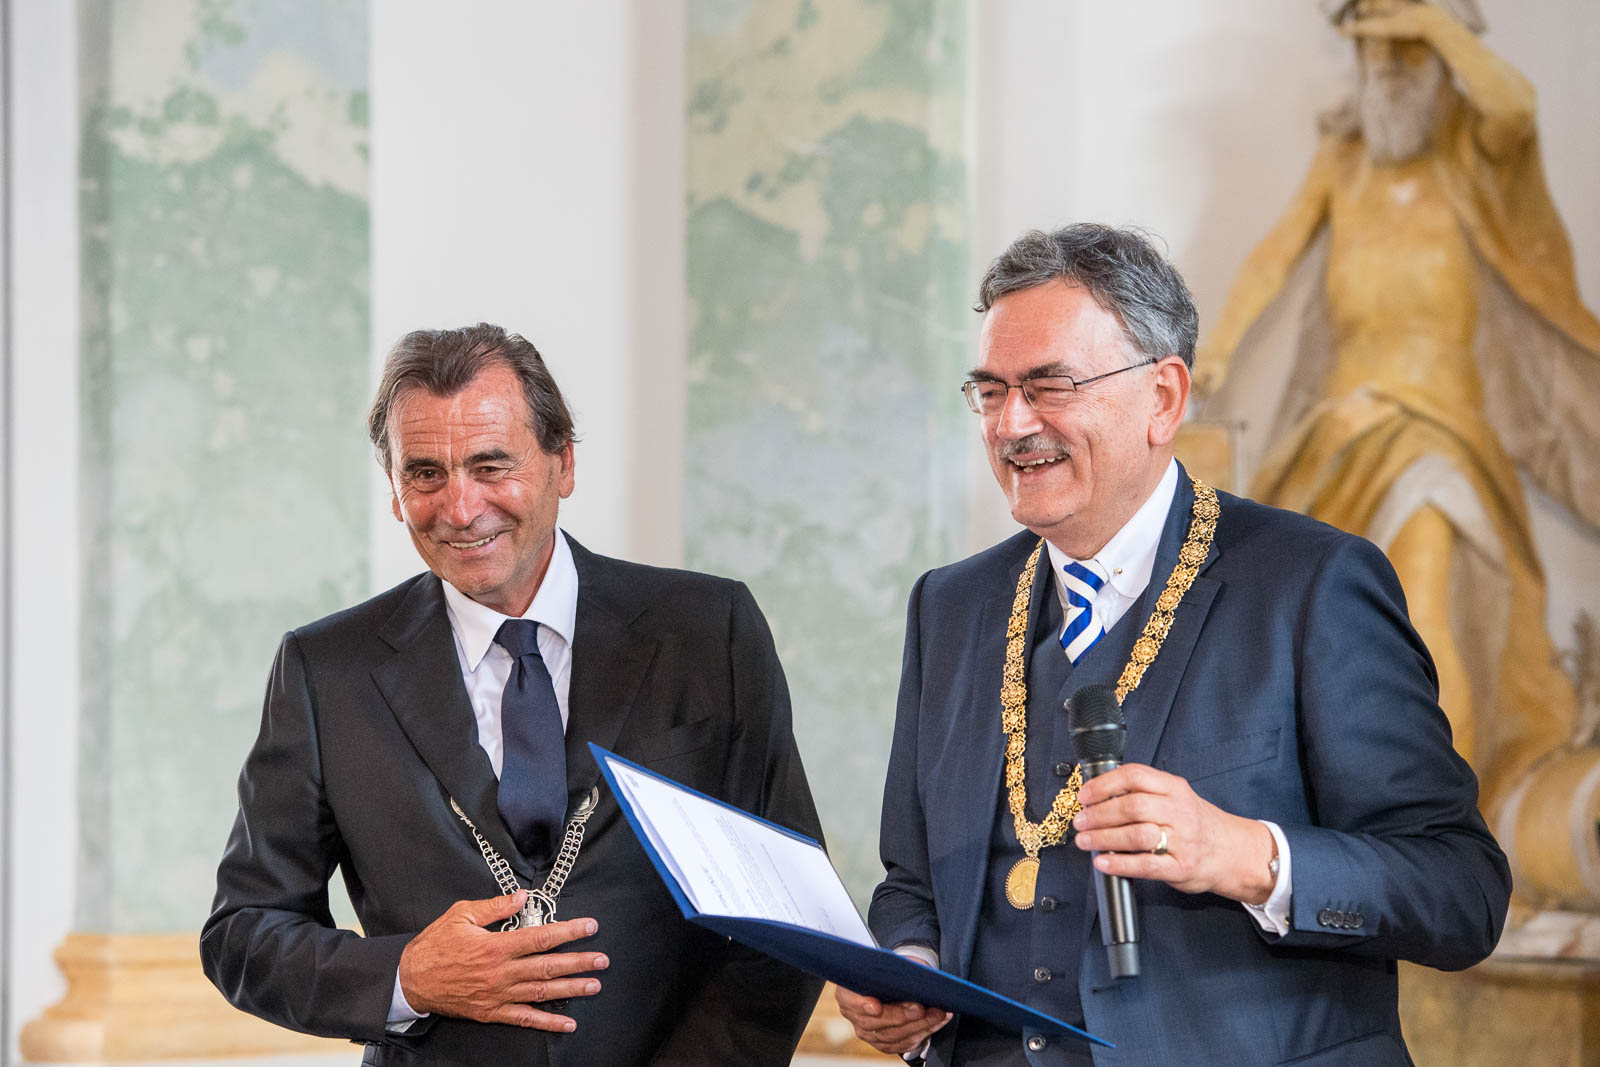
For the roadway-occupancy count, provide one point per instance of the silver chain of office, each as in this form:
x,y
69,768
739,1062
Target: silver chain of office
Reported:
x,y
540,907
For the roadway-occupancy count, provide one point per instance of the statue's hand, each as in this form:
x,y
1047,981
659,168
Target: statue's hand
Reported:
x,y
1408,22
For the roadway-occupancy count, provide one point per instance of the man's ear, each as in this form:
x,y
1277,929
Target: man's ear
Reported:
x,y
569,462
1171,400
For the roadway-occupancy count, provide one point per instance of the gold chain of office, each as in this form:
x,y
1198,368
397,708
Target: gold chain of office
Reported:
x,y
1034,836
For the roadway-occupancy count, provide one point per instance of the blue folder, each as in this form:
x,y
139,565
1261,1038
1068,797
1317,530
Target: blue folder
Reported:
x,y
874,971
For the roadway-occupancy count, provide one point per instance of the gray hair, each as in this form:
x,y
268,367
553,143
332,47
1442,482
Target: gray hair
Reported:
x,y
1120,268
444,362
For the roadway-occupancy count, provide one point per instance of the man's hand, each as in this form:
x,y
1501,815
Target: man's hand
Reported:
x,y
891,1028
1126,811
456,967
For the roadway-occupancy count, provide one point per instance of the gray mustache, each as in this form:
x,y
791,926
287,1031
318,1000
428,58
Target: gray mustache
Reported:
x,y
1037,442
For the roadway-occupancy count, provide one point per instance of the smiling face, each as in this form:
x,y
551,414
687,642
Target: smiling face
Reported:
x,y
476,492
1077,475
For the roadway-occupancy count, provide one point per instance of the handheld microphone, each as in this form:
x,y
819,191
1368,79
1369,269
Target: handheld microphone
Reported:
x,y
1099,736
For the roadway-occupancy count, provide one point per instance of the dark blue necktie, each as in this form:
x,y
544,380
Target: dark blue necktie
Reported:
x,y
533,772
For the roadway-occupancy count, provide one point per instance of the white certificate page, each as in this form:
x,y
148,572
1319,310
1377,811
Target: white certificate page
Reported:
x,y
732,864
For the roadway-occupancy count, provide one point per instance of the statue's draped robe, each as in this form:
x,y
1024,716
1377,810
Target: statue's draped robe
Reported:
x,y
1367,460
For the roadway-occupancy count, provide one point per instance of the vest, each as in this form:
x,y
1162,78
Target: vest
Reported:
x,y
1035,956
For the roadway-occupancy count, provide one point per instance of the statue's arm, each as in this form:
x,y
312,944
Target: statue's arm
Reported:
x,y
1502,98
1265,271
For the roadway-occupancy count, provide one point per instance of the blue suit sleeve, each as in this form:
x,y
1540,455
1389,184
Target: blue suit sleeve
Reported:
x,y
902,907
1398,862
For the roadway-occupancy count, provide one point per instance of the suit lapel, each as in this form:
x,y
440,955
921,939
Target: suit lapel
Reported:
x,y
973,797
422,684
1147,708
610,656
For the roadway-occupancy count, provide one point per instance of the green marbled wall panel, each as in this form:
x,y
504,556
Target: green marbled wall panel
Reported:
x,y
225,380
829,327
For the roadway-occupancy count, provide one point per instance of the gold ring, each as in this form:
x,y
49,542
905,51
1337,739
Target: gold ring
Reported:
x,y
1161,845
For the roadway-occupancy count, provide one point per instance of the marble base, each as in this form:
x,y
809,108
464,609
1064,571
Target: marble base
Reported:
x,y
134,997
1535,1001
141,998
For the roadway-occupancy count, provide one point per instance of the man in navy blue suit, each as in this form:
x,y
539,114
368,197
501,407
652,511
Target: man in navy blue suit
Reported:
x,y
1291,812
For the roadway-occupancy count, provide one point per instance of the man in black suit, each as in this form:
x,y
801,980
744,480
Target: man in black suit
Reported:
x,y
382,753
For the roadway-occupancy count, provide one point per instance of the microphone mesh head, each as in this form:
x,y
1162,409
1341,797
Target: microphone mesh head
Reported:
x,y
1095,718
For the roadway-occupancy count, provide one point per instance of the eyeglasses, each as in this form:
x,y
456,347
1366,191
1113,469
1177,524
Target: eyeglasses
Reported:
x,y
1043,392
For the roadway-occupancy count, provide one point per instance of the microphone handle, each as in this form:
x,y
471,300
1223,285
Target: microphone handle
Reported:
x,y
1119,923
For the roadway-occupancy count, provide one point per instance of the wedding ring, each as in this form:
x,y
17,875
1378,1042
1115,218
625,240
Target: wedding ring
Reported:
x,y
1161,845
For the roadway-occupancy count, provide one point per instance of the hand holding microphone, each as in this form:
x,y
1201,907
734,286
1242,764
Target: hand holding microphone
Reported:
x,y
1139,822
1099,736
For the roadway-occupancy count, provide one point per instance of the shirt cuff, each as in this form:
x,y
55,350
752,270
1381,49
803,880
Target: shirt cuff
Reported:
x,y
922,954
1273,914
401,1014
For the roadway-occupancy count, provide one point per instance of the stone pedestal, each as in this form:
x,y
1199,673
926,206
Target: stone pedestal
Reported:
x,y
143,997
1535,1001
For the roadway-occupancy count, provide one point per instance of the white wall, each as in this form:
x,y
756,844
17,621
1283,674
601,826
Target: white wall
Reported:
x,y
42,689
1197,121
528,171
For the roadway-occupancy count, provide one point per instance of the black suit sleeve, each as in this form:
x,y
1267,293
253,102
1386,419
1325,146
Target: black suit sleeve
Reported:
x,y
1398,863
271,945
752,1009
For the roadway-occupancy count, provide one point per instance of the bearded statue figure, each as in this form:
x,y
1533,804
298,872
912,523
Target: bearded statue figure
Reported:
x,y
1444,348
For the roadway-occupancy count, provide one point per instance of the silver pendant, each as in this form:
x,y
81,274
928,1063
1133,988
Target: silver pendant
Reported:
x,y
537,910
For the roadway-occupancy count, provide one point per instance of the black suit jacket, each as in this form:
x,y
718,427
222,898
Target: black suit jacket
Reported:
x,y
366,735
1291,687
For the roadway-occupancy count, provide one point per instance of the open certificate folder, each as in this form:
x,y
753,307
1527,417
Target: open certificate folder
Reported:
x,y
775,891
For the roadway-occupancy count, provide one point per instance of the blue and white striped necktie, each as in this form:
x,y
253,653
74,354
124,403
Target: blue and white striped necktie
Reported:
x,y
1083,627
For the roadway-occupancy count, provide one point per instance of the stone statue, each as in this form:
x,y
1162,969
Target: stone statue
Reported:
x,y
1445,349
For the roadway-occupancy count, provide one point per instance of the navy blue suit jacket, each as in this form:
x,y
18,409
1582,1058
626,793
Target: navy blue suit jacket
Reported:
x,y
1292,687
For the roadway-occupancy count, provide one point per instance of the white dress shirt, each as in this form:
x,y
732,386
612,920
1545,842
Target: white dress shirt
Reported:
x,y
486,667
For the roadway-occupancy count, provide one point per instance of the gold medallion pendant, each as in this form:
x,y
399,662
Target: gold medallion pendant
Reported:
x,y
1020,882
1023,878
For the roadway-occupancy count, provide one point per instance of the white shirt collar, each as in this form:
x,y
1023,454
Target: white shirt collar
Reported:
x,y
1129,557
555,605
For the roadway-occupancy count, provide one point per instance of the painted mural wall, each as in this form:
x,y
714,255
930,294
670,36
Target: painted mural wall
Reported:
x,y
224,377
828,333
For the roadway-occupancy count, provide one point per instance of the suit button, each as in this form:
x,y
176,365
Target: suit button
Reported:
x,y
1047,903
1360,920
1063,769
1036,1043
1041,974
1341,919
1325,917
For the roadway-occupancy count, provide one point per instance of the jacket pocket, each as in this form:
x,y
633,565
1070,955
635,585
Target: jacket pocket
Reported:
x,y
1222,756
678,741
1373,1050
